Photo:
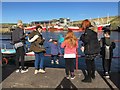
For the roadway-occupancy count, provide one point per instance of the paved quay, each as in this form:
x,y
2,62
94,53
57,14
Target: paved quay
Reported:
x,y
53,78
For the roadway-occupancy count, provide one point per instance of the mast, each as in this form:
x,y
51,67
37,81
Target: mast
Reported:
x,y
108,18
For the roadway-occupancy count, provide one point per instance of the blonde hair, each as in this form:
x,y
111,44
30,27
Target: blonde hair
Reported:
x,y
19,23
71,39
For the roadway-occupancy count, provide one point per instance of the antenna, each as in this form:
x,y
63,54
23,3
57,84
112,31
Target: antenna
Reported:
x,y
107,18
102,20
98,20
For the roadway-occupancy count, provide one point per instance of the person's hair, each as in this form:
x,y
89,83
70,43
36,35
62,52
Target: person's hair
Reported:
x,y
70,38
86,24
19,23
107,31
38,27
54,40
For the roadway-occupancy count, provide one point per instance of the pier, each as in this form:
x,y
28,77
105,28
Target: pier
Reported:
x,y
54,78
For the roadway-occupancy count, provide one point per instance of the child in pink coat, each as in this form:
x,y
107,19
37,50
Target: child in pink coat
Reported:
x,y
70,46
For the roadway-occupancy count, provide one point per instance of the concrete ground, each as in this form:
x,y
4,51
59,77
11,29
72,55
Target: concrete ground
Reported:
x,y
54,78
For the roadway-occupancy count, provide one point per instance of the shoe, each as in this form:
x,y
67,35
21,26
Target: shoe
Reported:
x,y
57,61
73,77
20,67
93,76
36,71
87,80
67,76
24,71
107,76
52,62
106,73
18,70
41,71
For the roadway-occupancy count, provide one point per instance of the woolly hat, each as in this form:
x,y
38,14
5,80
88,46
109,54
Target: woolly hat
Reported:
x,y
55,40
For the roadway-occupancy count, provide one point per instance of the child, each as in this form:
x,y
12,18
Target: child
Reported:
x,y
107,47
70,46
55,51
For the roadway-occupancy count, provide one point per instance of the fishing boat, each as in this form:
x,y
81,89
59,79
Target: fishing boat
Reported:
x,y
101,23
100,27
10,53
56,28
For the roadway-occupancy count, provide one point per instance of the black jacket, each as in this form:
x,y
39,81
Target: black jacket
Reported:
x,y
106,42
90,42
18,35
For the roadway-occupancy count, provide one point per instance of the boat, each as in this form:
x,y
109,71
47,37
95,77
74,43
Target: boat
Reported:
x,y
56,28
100,27
101,24
10,53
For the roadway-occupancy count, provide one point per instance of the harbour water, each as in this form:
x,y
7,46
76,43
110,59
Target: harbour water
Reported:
x,y
6,39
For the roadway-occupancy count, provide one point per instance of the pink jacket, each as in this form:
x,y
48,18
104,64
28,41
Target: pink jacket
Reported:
x,y
69,50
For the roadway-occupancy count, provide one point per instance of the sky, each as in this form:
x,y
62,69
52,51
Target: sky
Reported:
x,y
41,11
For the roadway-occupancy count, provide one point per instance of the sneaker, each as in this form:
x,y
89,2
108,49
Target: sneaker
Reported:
x,y
41,71
52,62
18,70
73,77
36,71
20,67
106,73
67,76
24,71
107,76
57,61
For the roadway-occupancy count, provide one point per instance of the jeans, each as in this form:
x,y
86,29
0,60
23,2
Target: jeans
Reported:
x,y
39,60
54,57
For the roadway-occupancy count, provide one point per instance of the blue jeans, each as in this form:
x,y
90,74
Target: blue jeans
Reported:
x,y
39,60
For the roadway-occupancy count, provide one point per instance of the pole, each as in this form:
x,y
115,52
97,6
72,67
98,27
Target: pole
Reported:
x,y
77,60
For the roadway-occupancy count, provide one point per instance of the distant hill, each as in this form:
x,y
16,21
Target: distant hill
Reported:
x,y
114,20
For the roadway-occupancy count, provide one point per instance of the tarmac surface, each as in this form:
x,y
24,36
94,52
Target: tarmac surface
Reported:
x,y
54,78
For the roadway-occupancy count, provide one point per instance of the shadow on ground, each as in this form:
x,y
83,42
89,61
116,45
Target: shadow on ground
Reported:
x,y
66,84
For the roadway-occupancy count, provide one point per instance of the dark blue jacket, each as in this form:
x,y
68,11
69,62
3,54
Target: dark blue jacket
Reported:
x,y
55,49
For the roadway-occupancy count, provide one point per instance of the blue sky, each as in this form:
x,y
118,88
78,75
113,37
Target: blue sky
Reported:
x,y
38,11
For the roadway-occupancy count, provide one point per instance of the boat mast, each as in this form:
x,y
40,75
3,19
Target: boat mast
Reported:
x,y
108,18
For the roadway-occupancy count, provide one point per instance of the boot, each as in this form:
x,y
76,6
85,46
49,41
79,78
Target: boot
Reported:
x,y
93,76
87,79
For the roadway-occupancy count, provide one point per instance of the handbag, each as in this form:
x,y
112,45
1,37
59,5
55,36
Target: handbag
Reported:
x,y
69,55
16,45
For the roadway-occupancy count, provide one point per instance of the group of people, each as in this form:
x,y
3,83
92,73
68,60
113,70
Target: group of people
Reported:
x,y
90,46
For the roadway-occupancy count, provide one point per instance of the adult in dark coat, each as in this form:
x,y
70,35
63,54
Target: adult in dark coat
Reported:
x,y
18,39
90,47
